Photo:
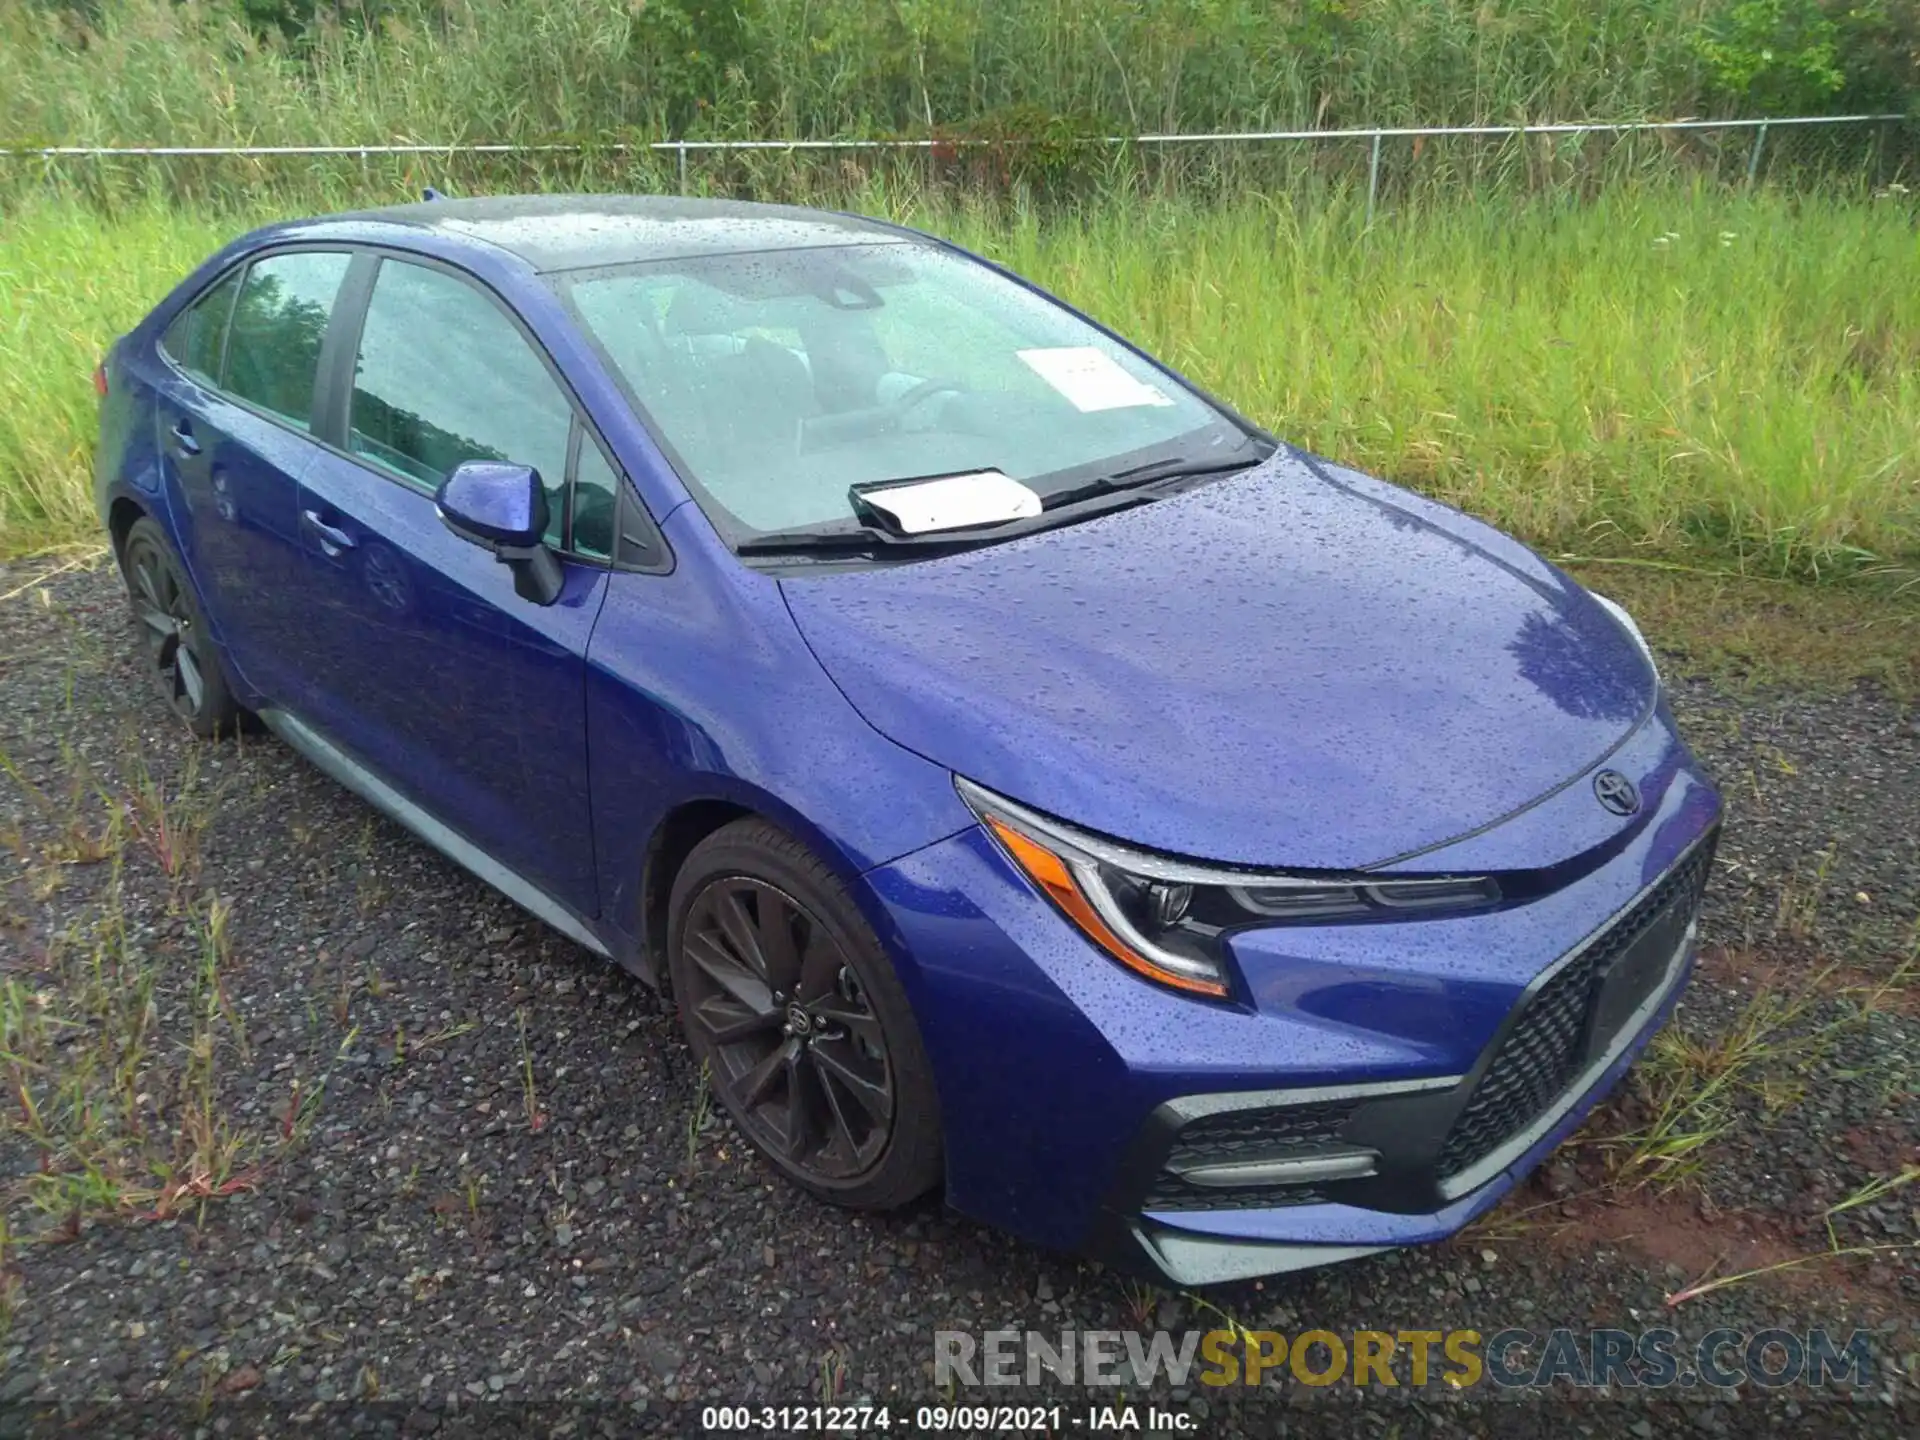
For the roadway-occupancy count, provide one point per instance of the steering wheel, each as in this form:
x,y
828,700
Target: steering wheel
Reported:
x,y
920,393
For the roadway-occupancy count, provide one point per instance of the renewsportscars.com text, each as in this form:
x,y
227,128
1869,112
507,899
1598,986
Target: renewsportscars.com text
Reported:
x,y
1506,1358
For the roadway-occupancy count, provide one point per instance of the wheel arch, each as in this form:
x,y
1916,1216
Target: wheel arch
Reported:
x,y
691,820
122,514
680,830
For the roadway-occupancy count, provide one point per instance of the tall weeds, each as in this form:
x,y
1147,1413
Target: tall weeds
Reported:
x,y
1707,376
191,72
1581,338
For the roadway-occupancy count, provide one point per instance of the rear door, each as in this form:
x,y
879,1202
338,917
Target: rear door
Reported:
x,y
234,409
426,666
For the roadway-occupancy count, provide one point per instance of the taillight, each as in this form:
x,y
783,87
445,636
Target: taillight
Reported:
x,y
100,379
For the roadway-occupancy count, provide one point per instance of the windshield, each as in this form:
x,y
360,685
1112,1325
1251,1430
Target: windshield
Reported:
x,y
777,380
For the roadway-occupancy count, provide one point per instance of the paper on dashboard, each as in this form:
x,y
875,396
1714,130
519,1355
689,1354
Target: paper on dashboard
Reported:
x,y
1090,379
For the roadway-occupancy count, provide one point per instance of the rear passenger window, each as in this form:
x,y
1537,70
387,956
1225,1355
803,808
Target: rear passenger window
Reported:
x,y
279,320
443,376
195,338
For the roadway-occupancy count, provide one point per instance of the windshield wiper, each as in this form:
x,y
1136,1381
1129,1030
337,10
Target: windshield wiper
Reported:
x,y
1122,489
1147,474
1167,469
862,541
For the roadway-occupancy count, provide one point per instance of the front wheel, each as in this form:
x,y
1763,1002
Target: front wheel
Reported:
x,y
792,1006
179,651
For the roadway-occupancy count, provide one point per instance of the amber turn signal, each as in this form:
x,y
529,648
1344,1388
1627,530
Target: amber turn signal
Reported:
x,y
1056,881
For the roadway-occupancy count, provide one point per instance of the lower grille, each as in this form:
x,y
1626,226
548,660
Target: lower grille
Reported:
x,y
1272,1134
1543,1051
1170,1192
1241,1136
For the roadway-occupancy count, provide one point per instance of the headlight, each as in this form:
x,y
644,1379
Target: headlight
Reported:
x,y
1619,612
1165,919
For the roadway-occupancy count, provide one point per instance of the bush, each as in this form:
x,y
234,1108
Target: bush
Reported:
x,y
1773,57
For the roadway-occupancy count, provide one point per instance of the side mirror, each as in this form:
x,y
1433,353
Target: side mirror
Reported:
x,y
503,508
491,503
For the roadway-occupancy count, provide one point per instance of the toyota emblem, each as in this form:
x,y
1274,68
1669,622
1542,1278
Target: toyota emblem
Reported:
x,y
1616,792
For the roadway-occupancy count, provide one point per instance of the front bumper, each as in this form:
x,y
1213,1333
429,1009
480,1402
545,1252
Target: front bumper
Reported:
x,y
1386,1084
1433,1153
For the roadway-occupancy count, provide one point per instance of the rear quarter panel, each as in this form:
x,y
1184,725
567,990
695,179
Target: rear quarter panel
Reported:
x,y
126,462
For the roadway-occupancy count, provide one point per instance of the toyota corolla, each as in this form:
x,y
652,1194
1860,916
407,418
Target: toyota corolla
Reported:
x,y
1027,776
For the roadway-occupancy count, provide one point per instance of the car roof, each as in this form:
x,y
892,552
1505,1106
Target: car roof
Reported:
x,y
571,232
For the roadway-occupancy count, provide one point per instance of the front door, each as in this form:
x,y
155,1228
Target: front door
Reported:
x,y
425,665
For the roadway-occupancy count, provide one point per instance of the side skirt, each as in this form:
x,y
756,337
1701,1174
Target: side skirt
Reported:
x,y
389,802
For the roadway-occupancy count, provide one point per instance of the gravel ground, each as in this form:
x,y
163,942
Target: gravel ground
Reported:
x,y
392,1155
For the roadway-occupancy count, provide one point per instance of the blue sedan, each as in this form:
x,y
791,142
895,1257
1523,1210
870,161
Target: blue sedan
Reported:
x,y
1025,775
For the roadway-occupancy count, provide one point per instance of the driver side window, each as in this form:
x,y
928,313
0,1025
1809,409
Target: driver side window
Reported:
x,y
443,376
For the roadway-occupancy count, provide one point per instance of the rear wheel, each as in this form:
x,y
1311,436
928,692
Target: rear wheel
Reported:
x,y
179,652
792,1005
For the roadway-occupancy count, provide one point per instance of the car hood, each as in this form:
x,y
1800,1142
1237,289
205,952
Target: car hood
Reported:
x,y
1298,666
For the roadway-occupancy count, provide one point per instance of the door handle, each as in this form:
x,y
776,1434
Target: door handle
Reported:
x,y
183,441
332,538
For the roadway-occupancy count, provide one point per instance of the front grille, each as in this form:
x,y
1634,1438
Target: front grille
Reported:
x,y
1236,1136
1543,1050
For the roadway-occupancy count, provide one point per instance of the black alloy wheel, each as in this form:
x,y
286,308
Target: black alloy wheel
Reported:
x,y
786,1020
179,653
797,1014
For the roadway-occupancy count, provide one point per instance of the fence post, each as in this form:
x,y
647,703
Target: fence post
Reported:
x,y
1373,178
1753,160
683,167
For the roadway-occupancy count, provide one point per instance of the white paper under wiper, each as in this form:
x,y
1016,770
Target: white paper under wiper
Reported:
x,y
949,502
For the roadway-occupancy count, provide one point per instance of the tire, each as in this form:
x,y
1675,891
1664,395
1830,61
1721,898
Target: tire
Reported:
x,y
795,1013
180,654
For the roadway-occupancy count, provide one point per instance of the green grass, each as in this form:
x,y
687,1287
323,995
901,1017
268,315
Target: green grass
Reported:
x,y
1746,391
1718,379
69,282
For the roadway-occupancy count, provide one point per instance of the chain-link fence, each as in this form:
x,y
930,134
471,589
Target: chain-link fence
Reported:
x,y
1389,165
